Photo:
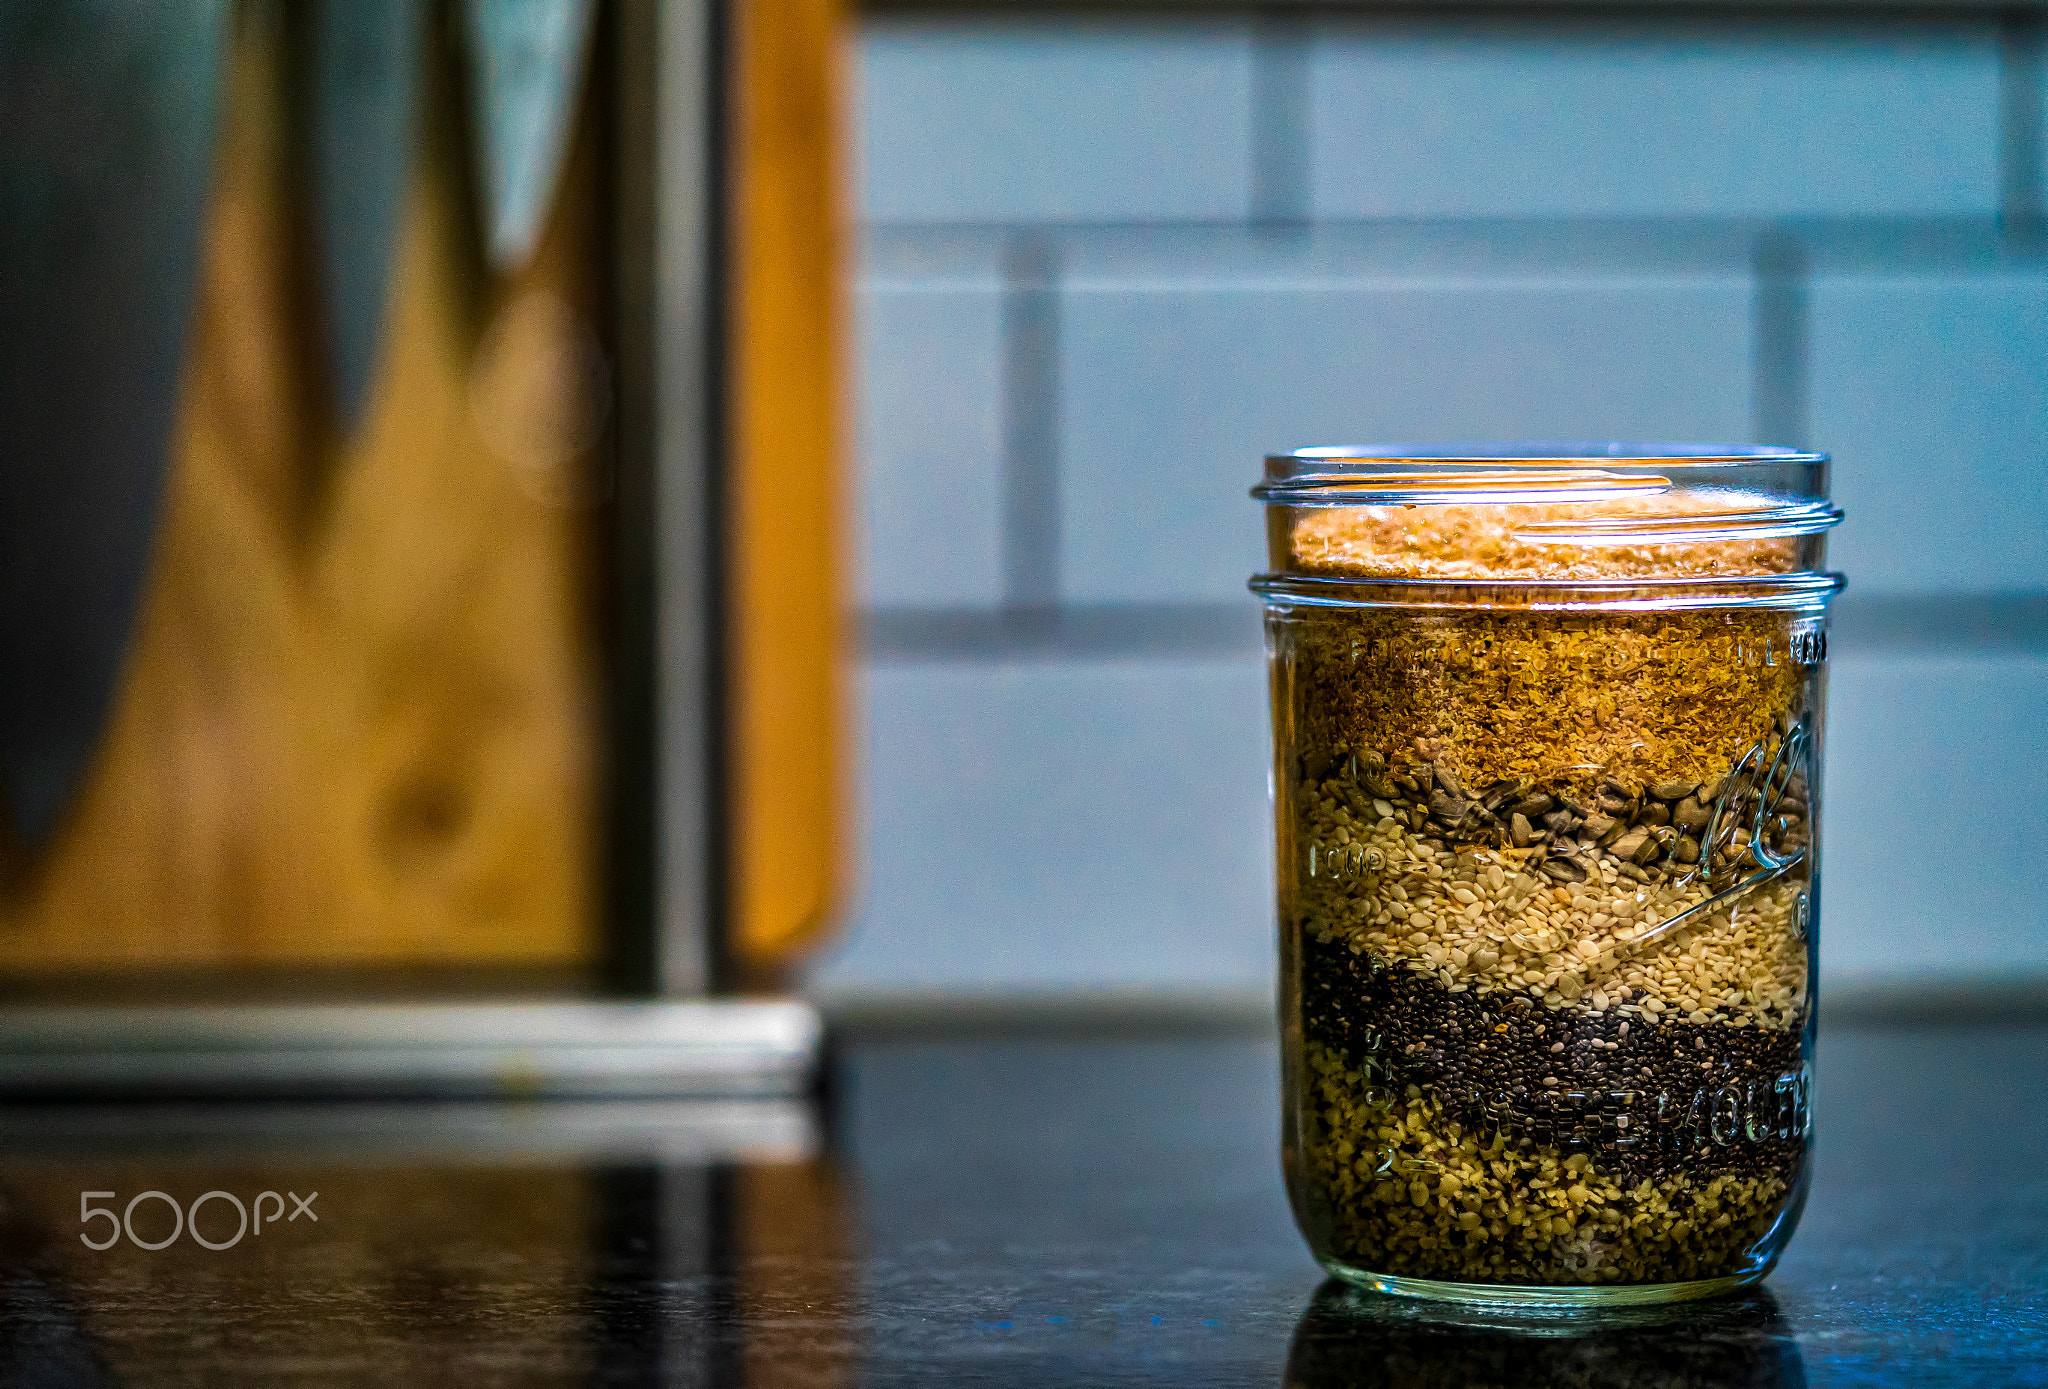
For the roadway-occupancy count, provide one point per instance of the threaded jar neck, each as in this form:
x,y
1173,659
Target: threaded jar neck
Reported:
x,y
1586,515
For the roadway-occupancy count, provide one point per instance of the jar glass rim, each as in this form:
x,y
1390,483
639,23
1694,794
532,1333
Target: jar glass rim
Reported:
x,y
1533,470
1535,453
1796,592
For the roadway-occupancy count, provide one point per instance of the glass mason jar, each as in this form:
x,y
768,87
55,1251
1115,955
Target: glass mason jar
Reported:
x,y
1546,729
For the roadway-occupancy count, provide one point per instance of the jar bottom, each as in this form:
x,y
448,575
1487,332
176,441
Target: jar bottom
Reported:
x,y
1564,1297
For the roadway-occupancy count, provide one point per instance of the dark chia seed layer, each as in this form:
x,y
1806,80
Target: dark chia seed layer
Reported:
x,y
1484,1138
1644,1098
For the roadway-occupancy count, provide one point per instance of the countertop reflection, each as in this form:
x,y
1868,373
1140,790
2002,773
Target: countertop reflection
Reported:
x,y
1349,1338
988,1211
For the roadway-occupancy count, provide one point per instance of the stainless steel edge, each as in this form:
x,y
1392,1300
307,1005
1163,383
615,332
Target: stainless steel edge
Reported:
x,y
679,1048
108,115
363,74
669,782
465,1132
526,60
691,891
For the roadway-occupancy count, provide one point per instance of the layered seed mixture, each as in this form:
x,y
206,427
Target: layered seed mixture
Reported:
x,y
1595,902
1545,892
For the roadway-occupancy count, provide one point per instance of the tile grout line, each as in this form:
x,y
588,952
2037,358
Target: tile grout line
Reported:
x,y
1030,416
2022,159
1280,156
1967,624
1779,339
1681,244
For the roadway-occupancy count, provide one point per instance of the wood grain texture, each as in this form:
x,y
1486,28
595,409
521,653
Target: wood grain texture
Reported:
x,y
359,721
787,628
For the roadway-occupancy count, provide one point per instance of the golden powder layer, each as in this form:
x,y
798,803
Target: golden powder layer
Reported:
x,y
1577,696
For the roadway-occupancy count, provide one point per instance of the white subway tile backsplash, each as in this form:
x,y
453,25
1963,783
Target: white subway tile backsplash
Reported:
x,y
930,442
1564,117
1933,851
1172,395
1931,392
979,120
1035,825
1060,822
1042,825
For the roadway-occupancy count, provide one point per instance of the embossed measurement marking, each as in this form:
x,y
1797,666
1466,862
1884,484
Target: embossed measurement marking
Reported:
x,y
1616,1121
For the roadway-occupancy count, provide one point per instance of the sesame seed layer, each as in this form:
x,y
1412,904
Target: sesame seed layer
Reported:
x,y
1489,918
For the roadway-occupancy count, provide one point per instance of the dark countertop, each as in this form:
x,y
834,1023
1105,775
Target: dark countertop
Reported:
x,y
969,1211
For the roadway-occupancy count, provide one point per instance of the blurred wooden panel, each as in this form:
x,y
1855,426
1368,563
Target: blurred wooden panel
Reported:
x,y
362,720
788,801
359,721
